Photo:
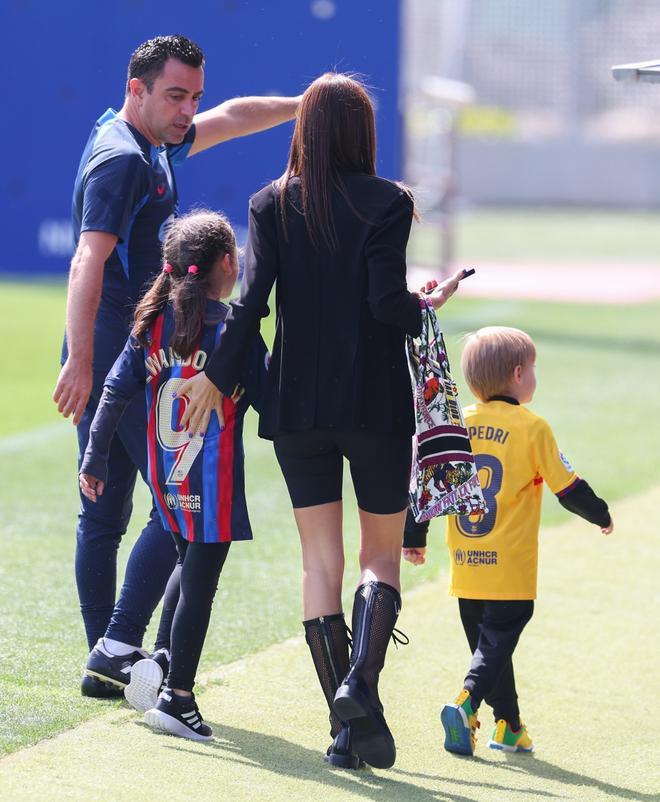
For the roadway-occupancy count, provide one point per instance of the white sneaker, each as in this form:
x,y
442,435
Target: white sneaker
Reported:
x,y
146,680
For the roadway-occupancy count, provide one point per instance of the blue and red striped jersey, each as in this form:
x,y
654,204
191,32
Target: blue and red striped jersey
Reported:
x,y
198,482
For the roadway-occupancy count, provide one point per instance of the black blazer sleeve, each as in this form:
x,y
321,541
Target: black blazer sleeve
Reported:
x,y
226,365
387,294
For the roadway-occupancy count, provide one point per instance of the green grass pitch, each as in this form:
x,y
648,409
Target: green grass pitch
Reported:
x,y
597,367
596,370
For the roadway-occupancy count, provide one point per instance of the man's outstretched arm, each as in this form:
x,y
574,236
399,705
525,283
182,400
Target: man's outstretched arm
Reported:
x,y
74,383
241,116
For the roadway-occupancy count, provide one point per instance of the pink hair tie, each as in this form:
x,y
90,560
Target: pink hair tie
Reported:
x,y
193,269
167,268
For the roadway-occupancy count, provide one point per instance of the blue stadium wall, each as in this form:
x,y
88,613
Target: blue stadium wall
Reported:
x,y
67,63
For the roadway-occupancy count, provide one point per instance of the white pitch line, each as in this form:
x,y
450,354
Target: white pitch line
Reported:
x,y
16,443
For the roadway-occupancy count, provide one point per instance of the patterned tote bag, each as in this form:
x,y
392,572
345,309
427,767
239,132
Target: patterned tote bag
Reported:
x,y
443,478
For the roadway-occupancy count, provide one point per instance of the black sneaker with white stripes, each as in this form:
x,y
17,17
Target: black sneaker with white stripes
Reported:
x,y
147,681
111,670
178,715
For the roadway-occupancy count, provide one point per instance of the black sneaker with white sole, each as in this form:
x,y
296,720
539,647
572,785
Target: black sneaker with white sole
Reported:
x,y
112,670
147,681
178,715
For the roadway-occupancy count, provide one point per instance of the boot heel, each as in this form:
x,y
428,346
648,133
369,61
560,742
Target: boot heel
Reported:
x,y
341,753
349,702
351,761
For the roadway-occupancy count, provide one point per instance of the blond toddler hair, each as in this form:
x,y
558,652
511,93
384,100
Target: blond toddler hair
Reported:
x,y
491,355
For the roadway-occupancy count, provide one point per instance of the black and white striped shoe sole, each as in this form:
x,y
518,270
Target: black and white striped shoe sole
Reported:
x,y
165,723
142,691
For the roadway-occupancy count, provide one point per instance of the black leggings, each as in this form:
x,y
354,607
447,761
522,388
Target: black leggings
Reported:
x,y
201,566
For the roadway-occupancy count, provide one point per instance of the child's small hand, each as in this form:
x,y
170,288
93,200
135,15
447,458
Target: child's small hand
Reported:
x,y
90,486
415,556
607,530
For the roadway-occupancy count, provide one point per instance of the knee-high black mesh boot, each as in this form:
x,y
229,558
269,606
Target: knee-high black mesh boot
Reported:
x,y
375,611
328,641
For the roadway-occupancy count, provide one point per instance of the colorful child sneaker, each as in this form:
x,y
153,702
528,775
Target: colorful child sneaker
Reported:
x,y
508,740
460,723
178,715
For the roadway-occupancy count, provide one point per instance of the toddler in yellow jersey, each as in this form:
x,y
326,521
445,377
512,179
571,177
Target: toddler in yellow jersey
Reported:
x,y
493,556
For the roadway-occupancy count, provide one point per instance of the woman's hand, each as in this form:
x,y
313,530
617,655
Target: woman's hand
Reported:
x,y
201,397
439,293
90,486
415,556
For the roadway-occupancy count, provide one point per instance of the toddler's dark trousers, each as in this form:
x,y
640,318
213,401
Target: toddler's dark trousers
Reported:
x,y
493,629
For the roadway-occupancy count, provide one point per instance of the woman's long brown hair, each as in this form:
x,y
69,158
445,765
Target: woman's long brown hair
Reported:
x,y
334,133
198,238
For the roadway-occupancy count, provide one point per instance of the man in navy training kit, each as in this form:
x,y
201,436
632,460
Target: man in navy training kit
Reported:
x,y
124,196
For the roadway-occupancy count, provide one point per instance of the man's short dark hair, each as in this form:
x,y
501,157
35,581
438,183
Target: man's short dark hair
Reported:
x,y
148,60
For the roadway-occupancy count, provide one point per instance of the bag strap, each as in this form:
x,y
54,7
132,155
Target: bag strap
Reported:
x,y
440,348
428,347
424,340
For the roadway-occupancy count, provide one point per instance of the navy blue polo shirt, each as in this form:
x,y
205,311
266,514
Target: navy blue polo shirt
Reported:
x,y
125,186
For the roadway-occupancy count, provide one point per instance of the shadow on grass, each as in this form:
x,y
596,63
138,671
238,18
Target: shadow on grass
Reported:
x,y
281,757
477,783
541,769
530,764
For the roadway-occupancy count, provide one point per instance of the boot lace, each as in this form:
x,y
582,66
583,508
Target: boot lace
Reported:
x,y
399,638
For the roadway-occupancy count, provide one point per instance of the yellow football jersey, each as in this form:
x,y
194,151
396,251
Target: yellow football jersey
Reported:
x,y
495,555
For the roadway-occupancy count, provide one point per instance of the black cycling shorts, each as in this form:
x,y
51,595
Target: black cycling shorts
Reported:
x,y
313,461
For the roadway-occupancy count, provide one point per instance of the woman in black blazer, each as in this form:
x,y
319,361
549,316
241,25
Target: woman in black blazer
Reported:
x,y
331,236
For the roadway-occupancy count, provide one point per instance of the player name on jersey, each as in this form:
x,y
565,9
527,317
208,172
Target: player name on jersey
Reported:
x,y
167,358
488,433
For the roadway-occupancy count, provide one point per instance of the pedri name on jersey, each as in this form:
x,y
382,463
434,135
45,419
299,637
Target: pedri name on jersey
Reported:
x,y
488,433
167,358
